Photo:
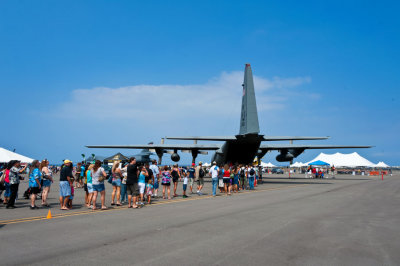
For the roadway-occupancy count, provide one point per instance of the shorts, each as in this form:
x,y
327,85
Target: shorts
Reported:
x,y
7,193
227,180
166,184
155,186
99,187
175,179
65,189
132,190
89,187
116,182
35,190
191,181
77,176
142,186
200,181
85,187
236,181
184,187
46,182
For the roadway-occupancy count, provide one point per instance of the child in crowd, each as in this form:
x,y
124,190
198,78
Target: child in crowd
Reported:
x,y
149,190
69,206
185,182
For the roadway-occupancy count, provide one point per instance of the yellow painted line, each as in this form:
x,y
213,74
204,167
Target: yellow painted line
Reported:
x,y
67,214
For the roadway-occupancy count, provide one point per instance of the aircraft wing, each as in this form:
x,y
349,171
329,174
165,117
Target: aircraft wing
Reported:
x,y
210,138
280,138
160,146
309,147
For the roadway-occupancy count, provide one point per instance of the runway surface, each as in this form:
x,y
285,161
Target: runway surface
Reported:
x,y
350,220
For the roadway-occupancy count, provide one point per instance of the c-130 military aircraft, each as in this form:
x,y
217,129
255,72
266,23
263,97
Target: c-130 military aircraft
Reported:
x,y
242,148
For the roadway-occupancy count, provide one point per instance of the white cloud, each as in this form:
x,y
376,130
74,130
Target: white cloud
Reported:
x,y
220,95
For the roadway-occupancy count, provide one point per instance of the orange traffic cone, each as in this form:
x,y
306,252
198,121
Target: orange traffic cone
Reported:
x,y
49,215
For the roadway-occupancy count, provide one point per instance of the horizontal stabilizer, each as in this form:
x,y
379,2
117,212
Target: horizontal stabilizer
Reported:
x,y
280,138
209,138
310,147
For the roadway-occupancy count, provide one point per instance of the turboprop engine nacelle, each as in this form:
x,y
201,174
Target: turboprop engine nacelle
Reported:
x,y
175,157
284,157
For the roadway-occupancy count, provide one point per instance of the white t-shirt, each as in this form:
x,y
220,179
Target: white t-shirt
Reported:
x,y
96,175
214,171
155,170
249,170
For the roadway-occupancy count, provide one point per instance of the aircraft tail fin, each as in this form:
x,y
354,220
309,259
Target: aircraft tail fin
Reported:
x,y
249,117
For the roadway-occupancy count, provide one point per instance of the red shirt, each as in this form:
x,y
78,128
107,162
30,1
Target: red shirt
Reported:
x,y
227,173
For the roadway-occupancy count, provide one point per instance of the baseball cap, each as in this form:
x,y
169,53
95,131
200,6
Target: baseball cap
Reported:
x,y
214,162
67,161
193,164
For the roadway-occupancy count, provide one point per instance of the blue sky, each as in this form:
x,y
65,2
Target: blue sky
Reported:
x,y
74,73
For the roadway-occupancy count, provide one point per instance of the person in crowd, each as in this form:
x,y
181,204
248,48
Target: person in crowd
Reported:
x,y
47,175
221,184
235,183
156,176
83,168
98,177
7,191
214,171
89,202
226,178
166,181
176,175
77,175
243,179
65,180
84,180
124,195
251,173
149,190
69,205
142,183
34,182
132,183
116,183
14,178
199,175
185,182
191,171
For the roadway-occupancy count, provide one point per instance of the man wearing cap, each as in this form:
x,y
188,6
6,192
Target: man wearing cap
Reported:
x,y
199,175
214,171
191,177
65,180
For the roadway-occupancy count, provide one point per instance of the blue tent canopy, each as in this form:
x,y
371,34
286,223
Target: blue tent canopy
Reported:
x,y
320,163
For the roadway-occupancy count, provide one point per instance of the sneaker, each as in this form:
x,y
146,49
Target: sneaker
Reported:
x,y
184,196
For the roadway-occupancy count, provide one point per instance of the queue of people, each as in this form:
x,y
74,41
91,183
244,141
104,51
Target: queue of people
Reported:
x,y
132,184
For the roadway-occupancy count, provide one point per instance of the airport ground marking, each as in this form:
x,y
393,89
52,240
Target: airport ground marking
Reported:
x,y
62,215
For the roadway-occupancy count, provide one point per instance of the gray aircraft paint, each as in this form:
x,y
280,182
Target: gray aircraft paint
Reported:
x,y
249,116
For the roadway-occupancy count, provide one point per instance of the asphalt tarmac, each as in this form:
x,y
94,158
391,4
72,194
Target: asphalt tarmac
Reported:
x,y
350,220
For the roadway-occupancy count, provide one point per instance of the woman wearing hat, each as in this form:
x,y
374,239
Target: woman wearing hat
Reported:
x,y
14,177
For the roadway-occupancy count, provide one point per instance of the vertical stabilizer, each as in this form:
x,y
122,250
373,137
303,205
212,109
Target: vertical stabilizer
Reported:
x,y
249,116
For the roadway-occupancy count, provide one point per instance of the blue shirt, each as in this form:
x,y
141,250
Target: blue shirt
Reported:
x,y
36,174
191,172
82,170
142,178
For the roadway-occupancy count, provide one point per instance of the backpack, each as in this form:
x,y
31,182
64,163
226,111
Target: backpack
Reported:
x,y
201,172
242,173
252,172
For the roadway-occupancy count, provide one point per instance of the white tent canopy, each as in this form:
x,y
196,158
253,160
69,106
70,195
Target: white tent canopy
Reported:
x,y
6,156
381,165
269,164
206,164
343,160
298,164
